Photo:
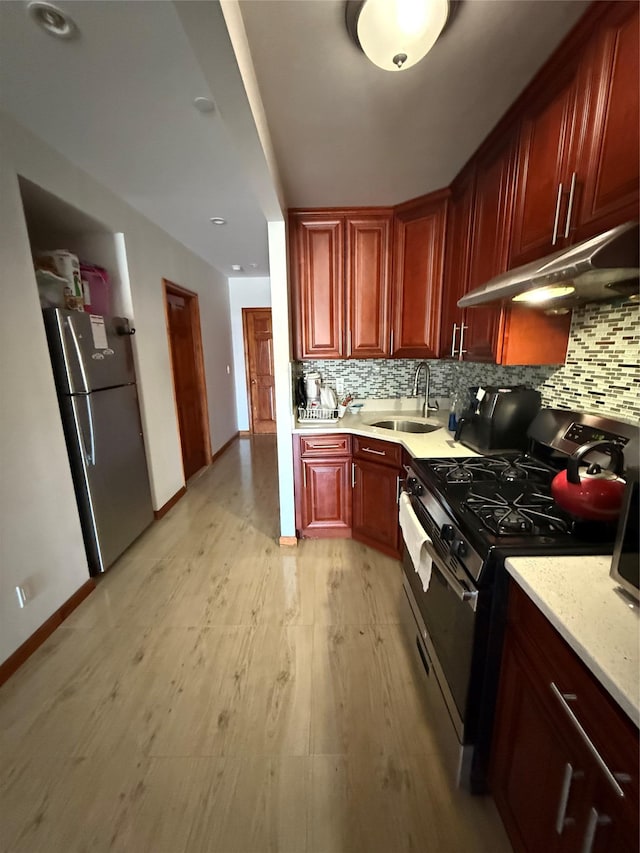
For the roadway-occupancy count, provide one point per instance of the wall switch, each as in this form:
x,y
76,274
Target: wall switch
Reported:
x,y
340,386
24,594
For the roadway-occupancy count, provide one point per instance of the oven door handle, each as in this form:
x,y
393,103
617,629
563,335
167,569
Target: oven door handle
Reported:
x,y
469,596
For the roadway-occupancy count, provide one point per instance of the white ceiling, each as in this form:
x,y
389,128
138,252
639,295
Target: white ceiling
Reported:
x,y
346,132
118,103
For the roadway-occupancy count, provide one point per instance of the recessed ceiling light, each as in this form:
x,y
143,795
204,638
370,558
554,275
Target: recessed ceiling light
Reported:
x,y
204,105
236,267
53,20
217,220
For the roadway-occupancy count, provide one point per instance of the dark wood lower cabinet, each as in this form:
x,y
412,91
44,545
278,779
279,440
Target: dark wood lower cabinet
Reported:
x,y
323,485
337,497
564,771
375,506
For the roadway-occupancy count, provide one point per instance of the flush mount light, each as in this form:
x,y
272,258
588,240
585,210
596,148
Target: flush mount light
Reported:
x,y
544,294
204,105
217,220
396,34
236,268
53,20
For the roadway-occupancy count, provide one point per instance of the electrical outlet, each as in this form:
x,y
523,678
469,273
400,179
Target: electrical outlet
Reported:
x,y
340,386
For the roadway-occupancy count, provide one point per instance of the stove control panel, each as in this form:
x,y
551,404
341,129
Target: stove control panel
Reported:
x,y
581,434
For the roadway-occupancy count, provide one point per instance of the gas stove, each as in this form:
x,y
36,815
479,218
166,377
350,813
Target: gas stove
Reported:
x,y
486,508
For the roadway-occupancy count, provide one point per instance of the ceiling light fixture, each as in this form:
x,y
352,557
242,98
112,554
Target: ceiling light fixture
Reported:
x,y
53,20
236,268
217,220
544,294
204,105
396,34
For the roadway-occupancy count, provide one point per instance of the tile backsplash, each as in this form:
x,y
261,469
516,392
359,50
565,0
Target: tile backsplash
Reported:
x,y
601,374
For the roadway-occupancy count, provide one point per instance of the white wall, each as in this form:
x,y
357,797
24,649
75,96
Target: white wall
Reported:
x,y
244,293
40,536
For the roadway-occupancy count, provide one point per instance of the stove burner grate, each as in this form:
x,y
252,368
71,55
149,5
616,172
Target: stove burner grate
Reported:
x,y
488,469
527,512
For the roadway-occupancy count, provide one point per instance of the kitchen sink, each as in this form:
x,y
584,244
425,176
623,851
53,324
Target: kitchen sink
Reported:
x,y
406,426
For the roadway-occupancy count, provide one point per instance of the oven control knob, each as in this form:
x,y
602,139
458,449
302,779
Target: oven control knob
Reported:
x,y
415,488
446,531
461,548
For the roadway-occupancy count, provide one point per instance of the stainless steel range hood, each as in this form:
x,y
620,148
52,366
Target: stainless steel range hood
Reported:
x,y
605,267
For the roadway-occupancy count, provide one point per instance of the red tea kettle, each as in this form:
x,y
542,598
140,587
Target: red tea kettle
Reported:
x,y
594,494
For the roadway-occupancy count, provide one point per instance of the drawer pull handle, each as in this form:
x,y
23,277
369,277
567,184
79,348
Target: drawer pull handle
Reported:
x,y
371,450
326,446
612,778
595,820
561,819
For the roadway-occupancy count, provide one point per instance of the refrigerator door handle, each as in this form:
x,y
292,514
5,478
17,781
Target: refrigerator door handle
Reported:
x,y
76,345
91,459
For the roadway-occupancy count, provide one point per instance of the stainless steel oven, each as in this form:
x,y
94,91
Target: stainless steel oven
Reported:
x,y
444,621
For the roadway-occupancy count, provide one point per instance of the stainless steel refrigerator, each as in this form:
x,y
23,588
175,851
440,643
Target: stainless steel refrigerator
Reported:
x,y
94,372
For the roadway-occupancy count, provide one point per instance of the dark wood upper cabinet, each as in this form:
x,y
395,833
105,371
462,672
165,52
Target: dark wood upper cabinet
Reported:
x,y
317,265
549,134
419,236
490,232
611,154
456,264
368,279
341,275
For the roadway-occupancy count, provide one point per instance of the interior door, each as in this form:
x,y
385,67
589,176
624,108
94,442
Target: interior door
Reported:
x,y
258,343
189,402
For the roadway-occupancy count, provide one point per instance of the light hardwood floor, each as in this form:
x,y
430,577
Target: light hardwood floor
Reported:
x,y
218,693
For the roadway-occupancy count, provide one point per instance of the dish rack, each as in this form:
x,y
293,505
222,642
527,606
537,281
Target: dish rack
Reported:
x,y
318,415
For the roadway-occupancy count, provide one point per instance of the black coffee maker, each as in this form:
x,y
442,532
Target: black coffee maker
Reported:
x,y
499,420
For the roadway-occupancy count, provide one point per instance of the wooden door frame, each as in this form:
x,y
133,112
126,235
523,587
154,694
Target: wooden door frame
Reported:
x,y
247,377
169,287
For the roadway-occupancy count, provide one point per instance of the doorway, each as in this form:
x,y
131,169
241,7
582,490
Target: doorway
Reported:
x,y
187,367
258,357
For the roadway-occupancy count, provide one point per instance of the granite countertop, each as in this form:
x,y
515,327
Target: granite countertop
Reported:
x,y
587,608
420,445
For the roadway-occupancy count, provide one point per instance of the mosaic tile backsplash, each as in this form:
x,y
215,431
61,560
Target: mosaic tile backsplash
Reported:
x,y
601,374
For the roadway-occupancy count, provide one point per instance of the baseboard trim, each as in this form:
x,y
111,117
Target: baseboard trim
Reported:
x,y
164,509
23,652
288,541
224,447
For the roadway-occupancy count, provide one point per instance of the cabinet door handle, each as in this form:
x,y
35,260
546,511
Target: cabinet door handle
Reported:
x,y
398,488
353,475
349,342
304,475
453,340
557,216
595,820
612,778
391,343
561,819
570,205
371,450
463,328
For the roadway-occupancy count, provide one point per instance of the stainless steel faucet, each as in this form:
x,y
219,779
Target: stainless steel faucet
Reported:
x,y
426,408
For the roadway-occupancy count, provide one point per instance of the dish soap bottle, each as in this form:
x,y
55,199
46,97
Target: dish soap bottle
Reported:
x,y
453,409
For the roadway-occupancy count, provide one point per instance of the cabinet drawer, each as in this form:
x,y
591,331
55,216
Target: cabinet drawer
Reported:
x,y
552,661
325,445
374,450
